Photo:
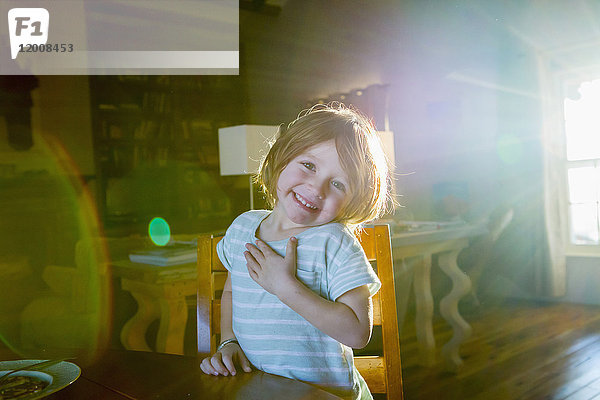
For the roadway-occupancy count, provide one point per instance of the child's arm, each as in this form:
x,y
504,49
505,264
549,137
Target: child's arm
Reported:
x,y
348,320
226,330
222,362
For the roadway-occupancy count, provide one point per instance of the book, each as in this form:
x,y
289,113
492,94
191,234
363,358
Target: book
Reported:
x,y
423,226
166,256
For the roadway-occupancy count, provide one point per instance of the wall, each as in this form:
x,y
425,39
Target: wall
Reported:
x,y
60,113
583,280
445,127
439,58
63,109
464,98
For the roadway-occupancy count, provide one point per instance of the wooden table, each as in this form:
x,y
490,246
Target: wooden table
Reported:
x,y
418,248
160,293
125,374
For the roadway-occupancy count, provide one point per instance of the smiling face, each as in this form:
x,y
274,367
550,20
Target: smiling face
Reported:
x,y
349,151
313,188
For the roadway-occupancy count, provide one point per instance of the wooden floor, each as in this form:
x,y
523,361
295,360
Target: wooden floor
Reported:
x,y
518,350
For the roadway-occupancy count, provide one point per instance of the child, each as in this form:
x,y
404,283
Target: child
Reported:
x,y
298,292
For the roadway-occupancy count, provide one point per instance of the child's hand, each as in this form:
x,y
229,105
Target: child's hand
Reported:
x,y
270,270
223,361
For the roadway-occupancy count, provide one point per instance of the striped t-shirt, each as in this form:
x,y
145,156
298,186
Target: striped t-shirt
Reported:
x,y
277,340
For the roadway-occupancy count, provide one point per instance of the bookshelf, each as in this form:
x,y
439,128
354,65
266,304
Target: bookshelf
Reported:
x,y
156,149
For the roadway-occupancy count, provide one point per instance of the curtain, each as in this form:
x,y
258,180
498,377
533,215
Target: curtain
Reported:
x,y
550,276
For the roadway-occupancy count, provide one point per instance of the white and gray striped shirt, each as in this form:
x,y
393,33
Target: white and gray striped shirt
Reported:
x,y
277,340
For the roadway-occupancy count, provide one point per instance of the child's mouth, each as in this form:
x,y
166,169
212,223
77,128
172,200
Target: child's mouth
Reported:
x,y
304,202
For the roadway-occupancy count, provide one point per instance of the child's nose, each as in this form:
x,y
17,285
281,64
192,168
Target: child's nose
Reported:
x,y
320,187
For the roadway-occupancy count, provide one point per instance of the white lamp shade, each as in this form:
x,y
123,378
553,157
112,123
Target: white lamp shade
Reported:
x,y
387,142
242,147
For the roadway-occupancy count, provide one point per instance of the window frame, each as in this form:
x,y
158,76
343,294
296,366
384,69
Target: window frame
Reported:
x,y
574,249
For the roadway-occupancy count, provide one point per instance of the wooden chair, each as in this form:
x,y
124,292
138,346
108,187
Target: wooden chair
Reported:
x,y
75,313
211,279
381,372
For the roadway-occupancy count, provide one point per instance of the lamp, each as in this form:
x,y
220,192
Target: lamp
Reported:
x,y
242,147
387,142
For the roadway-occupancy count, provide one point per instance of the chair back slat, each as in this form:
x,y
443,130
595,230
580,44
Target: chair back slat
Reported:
x,y
204,314
216,314
367,241
372,369
376,310
387,369
218,282
216,264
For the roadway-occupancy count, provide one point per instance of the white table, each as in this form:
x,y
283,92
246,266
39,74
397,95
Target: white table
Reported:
x,y
160,293
419,248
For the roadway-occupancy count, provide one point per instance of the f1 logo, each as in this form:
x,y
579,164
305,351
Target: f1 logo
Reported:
x,y
27,26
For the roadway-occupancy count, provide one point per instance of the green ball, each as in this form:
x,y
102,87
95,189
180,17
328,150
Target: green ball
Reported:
x,y
159,231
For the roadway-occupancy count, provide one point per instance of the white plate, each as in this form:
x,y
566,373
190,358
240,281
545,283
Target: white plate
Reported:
x,y
58,375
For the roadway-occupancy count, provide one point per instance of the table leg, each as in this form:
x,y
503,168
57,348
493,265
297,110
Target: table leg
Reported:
x,y
133,334
403,280
424,310
171,331
461,285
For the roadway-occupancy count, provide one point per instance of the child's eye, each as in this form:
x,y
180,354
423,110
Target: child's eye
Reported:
x,y
309,165
339,186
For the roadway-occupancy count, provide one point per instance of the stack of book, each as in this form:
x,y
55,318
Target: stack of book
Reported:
x,y
174,254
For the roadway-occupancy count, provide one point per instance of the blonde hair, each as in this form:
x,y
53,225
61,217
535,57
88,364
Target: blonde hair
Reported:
x,y
359,149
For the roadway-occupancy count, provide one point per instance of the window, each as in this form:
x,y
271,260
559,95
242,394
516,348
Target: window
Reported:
x,y
582,128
